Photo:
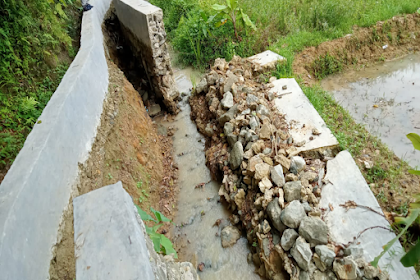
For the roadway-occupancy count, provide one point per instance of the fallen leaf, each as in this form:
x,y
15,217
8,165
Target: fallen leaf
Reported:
x,y
375,106
331,207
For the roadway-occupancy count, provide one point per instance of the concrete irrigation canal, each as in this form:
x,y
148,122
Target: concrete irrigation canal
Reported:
x,y
249,173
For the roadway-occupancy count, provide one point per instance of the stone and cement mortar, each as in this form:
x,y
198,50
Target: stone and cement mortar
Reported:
x,y
273,192
143,25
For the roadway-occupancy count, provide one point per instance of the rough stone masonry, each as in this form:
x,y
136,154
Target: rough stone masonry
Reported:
x,y
143,25
273,193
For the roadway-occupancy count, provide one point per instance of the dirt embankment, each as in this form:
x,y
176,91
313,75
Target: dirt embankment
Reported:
x,y
384,41
128,149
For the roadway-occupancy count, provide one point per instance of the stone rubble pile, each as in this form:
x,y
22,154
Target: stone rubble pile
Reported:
x,y
273,192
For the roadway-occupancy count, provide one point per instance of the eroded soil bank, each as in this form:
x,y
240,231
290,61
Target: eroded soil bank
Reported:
x,y
127,148
386,40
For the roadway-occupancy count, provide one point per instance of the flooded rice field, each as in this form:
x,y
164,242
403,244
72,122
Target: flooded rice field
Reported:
x,y
196,236
386,99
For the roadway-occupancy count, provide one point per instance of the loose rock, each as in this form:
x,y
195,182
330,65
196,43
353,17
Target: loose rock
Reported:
x,y
302,253
274,212
229,236
262,170
236,155
292,191
293,214
277,175
314,230
345,268
227,101
297,164
288,239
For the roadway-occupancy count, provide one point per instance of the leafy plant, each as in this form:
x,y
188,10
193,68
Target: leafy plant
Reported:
x,y
412,257
232,12
415,139
160,242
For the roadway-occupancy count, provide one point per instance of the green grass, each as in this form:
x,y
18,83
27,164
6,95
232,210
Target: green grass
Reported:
x,y
285,26
34,38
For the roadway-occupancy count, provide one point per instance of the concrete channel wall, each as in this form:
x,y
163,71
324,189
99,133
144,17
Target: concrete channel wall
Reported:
x,y
38,187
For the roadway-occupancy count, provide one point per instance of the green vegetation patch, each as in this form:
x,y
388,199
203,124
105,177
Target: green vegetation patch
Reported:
x,y
37,44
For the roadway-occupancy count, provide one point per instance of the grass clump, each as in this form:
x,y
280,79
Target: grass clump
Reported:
x,y
326,65
36,47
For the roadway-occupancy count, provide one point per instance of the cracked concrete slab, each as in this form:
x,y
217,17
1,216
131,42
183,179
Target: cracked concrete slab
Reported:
x,y
301,116
347,183
109,242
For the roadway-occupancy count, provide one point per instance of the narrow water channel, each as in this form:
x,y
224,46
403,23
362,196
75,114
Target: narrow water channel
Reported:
x,y
385,98
195,236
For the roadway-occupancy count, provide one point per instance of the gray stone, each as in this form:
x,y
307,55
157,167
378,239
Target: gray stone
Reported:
x,y
229,115
246,112
277,175
274,211
304,275
236,155
227,101
292,191
253,123
154,110
288,239
262,110
297,164
307,207
302,253
230,236
314,230
318,275
266,247
345,268
251,99
202,86
325,254
293,214
232,139
231,79
228,128
370,272
266,227
355,251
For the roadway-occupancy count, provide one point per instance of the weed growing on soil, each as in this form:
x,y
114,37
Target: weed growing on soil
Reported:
x,y
326,65
160,242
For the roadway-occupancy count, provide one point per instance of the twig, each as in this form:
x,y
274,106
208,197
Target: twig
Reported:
x,y
283,94
352,205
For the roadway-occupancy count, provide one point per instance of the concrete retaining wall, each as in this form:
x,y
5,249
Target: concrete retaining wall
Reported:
x,y
38,187
143,26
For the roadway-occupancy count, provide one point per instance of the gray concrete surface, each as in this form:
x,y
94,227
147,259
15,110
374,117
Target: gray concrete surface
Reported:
x,y
301,116
109,241
347,183
37,188
266,59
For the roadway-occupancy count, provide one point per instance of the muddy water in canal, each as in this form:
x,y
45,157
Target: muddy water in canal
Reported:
x,y
386,99
195,236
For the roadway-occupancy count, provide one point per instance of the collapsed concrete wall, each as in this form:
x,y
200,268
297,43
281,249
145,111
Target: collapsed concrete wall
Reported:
x,y
112,243
38,187
143,26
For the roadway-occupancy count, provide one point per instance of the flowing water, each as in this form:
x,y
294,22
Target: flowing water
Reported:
x,y
195,237
385,98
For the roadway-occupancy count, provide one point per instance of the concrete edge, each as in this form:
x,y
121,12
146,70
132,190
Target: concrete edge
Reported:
x,y
38,187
